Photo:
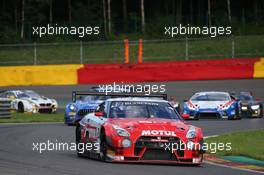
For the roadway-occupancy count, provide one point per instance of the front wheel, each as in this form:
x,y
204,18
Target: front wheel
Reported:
x,y
78,141
20,107
103,147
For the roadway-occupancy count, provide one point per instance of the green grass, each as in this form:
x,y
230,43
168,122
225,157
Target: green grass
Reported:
x,y
113,52
28,118
249,144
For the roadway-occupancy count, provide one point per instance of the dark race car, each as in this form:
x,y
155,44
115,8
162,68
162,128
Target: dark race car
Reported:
x,y
248,105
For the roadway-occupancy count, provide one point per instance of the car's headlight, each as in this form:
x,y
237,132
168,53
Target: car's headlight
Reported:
x,y
126,143
121,132
176,105
192,106
54,102
254,107
72,107
32,104
191,134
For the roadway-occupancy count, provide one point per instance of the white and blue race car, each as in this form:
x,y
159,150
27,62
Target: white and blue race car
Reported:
x,y
211,104
29,101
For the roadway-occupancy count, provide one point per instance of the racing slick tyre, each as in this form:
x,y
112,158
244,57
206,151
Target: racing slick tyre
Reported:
x,y
20,107
78,139
237,115
103,147
261,112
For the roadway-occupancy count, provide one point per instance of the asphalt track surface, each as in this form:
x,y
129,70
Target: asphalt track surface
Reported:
x,y
16,141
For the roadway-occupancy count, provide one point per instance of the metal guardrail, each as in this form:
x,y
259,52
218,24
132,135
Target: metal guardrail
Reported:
x,y
5,108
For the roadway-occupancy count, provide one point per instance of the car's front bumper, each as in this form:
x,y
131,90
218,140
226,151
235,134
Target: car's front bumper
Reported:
x,y
248,112
210,114
146,151
69,118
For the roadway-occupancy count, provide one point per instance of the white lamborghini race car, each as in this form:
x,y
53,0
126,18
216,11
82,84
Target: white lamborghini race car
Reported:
x,y
29,101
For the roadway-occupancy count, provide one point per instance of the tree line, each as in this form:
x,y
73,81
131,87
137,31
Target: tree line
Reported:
x,y
120,18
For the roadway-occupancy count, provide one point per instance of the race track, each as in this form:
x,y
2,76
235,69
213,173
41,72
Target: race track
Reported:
x,y
17,156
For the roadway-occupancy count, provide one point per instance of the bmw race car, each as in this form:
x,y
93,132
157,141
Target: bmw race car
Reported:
x,y
138,129
29,101
248,106
211,104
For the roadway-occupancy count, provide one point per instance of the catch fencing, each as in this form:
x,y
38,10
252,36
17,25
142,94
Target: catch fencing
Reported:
x,y
135,51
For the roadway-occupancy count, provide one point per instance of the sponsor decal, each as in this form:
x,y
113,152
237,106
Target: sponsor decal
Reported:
x,y
158,132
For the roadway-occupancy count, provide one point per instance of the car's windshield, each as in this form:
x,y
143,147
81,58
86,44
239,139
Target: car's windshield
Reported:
x,y
93,98
245,97
142,109
211,97
28,94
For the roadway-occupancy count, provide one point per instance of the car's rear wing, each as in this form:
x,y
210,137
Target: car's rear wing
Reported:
x,y
87,93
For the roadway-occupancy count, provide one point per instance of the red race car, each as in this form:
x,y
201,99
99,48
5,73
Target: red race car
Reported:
x,y
138,129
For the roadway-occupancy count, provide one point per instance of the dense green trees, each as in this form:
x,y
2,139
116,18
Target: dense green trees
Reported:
x,y
119,18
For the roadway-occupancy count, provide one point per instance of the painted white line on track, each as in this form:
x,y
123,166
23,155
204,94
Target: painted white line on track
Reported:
x,y
236,168
206,137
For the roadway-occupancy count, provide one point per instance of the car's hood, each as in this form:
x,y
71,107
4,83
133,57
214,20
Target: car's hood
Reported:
x,y
39,100
88,104
251,102
208,104
156,127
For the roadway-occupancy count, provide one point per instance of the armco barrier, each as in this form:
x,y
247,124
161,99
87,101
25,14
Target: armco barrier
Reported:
x,y
5,108
39,75
259,69
168,71
109,73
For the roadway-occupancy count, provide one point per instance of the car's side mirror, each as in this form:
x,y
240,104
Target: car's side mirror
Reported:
x,y
185,116
99,114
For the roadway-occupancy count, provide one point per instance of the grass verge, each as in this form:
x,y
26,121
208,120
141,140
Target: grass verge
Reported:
x,y
249,144
28,118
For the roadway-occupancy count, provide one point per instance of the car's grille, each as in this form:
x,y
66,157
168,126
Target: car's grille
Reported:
x,y
209,115
156,148
154,154
45,104
83,112
49,110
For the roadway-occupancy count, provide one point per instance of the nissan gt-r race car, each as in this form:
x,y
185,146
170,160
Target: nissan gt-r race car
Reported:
x,y
248,106
138,129
210,105
87,102
29,101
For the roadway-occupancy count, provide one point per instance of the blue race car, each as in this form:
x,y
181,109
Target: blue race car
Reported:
x,y
211,104
77,109
84,103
